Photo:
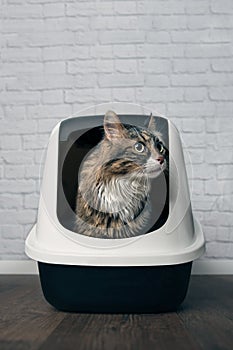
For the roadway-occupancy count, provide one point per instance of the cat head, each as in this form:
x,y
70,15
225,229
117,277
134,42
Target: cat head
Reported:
x,y
133,150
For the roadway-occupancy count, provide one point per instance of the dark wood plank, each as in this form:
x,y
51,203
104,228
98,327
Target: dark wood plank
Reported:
x,y
138,332
205,321
207,312
26,320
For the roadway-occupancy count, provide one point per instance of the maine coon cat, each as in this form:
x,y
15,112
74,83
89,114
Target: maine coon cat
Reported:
x,y
113,199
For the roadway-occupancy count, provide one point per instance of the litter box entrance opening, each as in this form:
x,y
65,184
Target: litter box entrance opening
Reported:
x,y
78,138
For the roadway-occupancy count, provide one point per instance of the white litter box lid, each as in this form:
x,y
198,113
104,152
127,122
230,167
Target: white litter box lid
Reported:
x,y
169,234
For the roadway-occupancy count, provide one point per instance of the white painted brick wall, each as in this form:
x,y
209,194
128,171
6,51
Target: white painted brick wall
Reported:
x,y
175,56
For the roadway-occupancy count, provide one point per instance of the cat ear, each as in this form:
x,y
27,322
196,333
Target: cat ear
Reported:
x,y
152,124
112,126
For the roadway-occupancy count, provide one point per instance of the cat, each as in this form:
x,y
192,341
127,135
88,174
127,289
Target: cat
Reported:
x,y
113,199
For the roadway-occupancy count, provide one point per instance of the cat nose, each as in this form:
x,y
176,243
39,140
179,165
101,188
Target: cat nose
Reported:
x,y
160,159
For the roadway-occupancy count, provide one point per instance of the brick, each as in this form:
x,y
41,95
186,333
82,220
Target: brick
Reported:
x,y
224,140
224,234
15,247
169,22
121,36
26,216
203,203
54,10
159,95
9,68
195,94
210,233
197,7
222,65
31,142
14,171
197,79
11,231
124,51
10,201
65,24
2,112
216,249
105,66
17,186
52,96
156,80
102,95
55,68
194,36
158,37
32,171
81,9
123,94
16,98
218,157
214,187
101,51
31,201
17,157
105,8
75,67
24,11
225,171
193,125
120,80
199,22
79,95
222,110
161,7
225,203
225,6
198,65
18,127
160,51
197,187
154,66
17,25
126,66
85,81
15,112
54,111
125,7
86,38
208,50
124,23
222,36
10,142
221,94
204,172
202,109
194,140
52,81
21,54
218,219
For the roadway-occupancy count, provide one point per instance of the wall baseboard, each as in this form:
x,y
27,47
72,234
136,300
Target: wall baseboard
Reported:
x,y
200,267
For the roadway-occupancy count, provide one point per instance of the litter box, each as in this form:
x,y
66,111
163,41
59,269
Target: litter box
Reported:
x,y
115,231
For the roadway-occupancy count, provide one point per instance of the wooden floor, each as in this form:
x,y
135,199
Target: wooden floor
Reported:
x,y
205,321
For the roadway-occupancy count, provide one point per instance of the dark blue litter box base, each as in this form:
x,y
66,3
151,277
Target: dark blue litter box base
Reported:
x,y
144,289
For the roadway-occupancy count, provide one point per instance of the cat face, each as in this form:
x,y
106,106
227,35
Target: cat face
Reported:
x,y
133,150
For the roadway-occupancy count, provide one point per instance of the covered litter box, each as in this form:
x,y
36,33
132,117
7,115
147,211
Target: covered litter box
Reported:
x,y
115,229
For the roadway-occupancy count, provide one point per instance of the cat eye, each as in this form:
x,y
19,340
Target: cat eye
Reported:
x,y
139,147
160,147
